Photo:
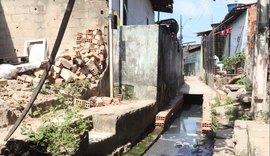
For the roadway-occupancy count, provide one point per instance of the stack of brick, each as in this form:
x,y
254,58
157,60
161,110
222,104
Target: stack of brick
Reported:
x,y
206,123
85,61
25,80
163,117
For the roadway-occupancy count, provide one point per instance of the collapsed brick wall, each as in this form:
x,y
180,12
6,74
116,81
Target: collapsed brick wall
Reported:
x,y
35,19
87,60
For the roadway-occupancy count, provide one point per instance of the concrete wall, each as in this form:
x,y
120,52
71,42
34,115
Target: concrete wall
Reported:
x,y
238,41
170,68
138,12
136,59
34,19
6,43
148,59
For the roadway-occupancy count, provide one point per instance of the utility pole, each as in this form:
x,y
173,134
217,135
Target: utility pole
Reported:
x,y
181,33
121,12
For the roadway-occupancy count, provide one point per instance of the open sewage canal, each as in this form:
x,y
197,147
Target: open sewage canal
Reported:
x,y
182,137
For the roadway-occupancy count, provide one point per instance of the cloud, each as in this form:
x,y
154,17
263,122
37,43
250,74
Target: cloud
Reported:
x,y
192,7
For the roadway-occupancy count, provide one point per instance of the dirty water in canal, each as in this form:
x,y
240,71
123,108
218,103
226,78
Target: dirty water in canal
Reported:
x,y
183,135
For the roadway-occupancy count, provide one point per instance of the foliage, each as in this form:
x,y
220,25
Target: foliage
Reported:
x,y
37,112
266,116
240,58
245,117
228,62
60,138
231,113
237,60
75,88
127,91
229,101
245,81
215,121
63,99
217,103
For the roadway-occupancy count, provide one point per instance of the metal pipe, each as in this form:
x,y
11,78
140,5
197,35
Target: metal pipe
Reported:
x,y
111,46
121,12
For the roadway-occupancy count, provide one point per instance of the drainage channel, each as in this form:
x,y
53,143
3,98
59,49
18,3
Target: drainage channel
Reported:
x,y
182,137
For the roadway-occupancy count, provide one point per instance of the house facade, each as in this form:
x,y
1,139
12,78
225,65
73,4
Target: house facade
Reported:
x,y
192,61
233,35
242,30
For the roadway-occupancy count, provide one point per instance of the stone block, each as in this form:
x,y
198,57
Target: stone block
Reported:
x,y
98,37
38,72
107,100
84,70
66,63
66,74
94,41
56,69
3,82
234,87
7,117
81,77
58,81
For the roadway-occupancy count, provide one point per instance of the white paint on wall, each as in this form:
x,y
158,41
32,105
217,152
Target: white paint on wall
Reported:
x,y
239,34
139,12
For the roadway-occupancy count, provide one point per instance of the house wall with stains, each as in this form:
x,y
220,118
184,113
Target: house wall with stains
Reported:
x,y
238,36
35,19
151,64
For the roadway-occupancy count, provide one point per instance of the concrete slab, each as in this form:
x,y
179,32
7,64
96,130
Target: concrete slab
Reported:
x,y
223,143
193,85
258,139
251,138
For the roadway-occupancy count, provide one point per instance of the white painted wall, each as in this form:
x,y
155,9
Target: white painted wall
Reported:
x,y
239,34
138,12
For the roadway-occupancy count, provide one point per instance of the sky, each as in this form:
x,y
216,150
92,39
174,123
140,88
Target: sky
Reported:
x,y
197,15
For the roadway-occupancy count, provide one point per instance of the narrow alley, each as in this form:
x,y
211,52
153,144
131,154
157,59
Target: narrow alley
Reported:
x,y
134,77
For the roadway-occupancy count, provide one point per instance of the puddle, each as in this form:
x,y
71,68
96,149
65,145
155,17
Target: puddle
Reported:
x,y
183,136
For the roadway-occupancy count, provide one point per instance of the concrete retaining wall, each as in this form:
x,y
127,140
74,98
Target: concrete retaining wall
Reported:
x,y
147,58
126,126
136,59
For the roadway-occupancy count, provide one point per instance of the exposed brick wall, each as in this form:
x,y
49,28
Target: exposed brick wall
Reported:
x,y
34,19
252,15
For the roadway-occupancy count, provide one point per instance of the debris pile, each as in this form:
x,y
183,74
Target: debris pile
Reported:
x,y
97,102
86,61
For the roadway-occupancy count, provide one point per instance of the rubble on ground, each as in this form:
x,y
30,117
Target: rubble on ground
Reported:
x,y
85,62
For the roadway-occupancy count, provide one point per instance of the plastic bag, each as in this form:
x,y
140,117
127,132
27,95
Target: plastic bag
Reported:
x,y
7,71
